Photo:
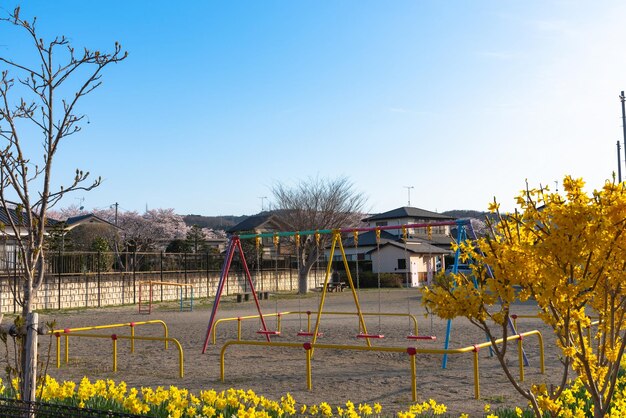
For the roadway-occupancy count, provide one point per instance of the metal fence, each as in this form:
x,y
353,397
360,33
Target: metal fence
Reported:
x,y
58,262
12,408
96,279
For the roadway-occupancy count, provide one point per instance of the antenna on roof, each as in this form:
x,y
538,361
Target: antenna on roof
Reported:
x,y
408,189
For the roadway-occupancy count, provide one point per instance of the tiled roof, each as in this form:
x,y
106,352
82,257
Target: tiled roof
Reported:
x,y
10,213
254,222
368,239
250,223
409,212
436,239
415,248
74,220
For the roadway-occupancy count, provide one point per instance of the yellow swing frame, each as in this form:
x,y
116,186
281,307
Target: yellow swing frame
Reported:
x,y
336,242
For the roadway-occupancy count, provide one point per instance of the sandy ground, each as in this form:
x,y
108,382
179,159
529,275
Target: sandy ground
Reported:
x,y
337,375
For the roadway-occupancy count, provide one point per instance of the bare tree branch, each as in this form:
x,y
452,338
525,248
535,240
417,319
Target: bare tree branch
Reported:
x,y
54,114
314,204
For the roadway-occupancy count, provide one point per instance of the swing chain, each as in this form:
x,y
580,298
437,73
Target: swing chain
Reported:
x,y
297,243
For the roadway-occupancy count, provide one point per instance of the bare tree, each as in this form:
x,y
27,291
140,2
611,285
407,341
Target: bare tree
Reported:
x,y
316,204
49,91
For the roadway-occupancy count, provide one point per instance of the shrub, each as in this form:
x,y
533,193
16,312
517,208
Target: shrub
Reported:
x,y
370,280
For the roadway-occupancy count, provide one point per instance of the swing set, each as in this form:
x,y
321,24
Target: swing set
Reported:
x,y
234,246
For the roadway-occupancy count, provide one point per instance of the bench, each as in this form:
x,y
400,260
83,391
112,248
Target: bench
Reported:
x,y
243,297
336,286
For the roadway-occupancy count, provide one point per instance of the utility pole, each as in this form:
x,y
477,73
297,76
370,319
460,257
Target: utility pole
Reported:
x,y
116,205
408,189
623,99
619,163
619,168
262,200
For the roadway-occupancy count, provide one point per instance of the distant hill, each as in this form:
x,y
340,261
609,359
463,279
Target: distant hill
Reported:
x,y
225,222
213,222
467,214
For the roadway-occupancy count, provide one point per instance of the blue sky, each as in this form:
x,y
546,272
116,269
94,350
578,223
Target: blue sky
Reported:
x,y
219,100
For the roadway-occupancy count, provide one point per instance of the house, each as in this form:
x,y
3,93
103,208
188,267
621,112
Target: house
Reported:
x,y
416,260
8,239
366,242
263,223
87,219
60,228
420,254
78,233
439,235
216,240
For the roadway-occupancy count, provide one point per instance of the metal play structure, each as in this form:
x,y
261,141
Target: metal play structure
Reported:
x,y
234,246
411,351
145,298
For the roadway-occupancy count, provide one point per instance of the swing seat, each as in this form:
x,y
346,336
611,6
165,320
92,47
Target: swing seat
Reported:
x,y
374,336
308,334
268,332
421,337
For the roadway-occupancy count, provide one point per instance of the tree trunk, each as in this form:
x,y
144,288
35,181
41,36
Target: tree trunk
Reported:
x,y
29,359
303,281
28,333
308,257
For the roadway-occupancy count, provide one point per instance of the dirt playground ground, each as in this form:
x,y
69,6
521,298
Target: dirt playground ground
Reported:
x,y
337,375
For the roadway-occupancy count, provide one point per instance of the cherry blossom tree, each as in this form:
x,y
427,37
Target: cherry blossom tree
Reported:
x,y
150,231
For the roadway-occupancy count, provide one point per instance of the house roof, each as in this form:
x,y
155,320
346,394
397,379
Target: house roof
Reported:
x,y
414,248
6,214
409,212
368,239
436,239
262,220
74,221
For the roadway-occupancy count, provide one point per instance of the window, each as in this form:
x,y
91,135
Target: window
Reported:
x,y
381,223
401,263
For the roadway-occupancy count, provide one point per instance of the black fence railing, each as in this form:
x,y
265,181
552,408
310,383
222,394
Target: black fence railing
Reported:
x,y
58,262
10,408
98,279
